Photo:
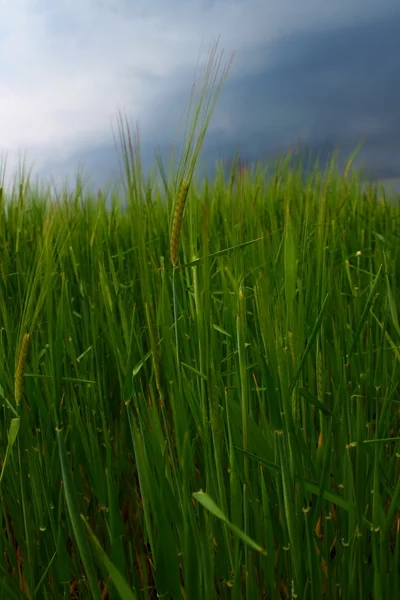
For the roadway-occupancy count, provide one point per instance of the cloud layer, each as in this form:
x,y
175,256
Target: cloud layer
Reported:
x,y
322,72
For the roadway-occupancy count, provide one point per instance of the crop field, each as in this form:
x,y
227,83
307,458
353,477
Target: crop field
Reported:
x,y
199,383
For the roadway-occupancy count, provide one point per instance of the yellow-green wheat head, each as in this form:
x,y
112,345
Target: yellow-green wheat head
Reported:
x,y
177,221
19,374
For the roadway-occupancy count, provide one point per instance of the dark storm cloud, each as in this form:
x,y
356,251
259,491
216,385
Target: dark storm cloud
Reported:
x,y
327,90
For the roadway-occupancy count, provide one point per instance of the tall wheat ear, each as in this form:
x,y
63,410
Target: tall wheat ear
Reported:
x,y
177,221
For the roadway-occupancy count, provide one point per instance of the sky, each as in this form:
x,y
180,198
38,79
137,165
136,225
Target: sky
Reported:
x,y
321,73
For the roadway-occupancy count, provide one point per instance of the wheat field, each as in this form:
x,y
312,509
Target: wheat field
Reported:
x,y
199,383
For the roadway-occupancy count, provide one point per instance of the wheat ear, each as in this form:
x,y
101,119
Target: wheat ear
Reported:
x,y
19,374
177,221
